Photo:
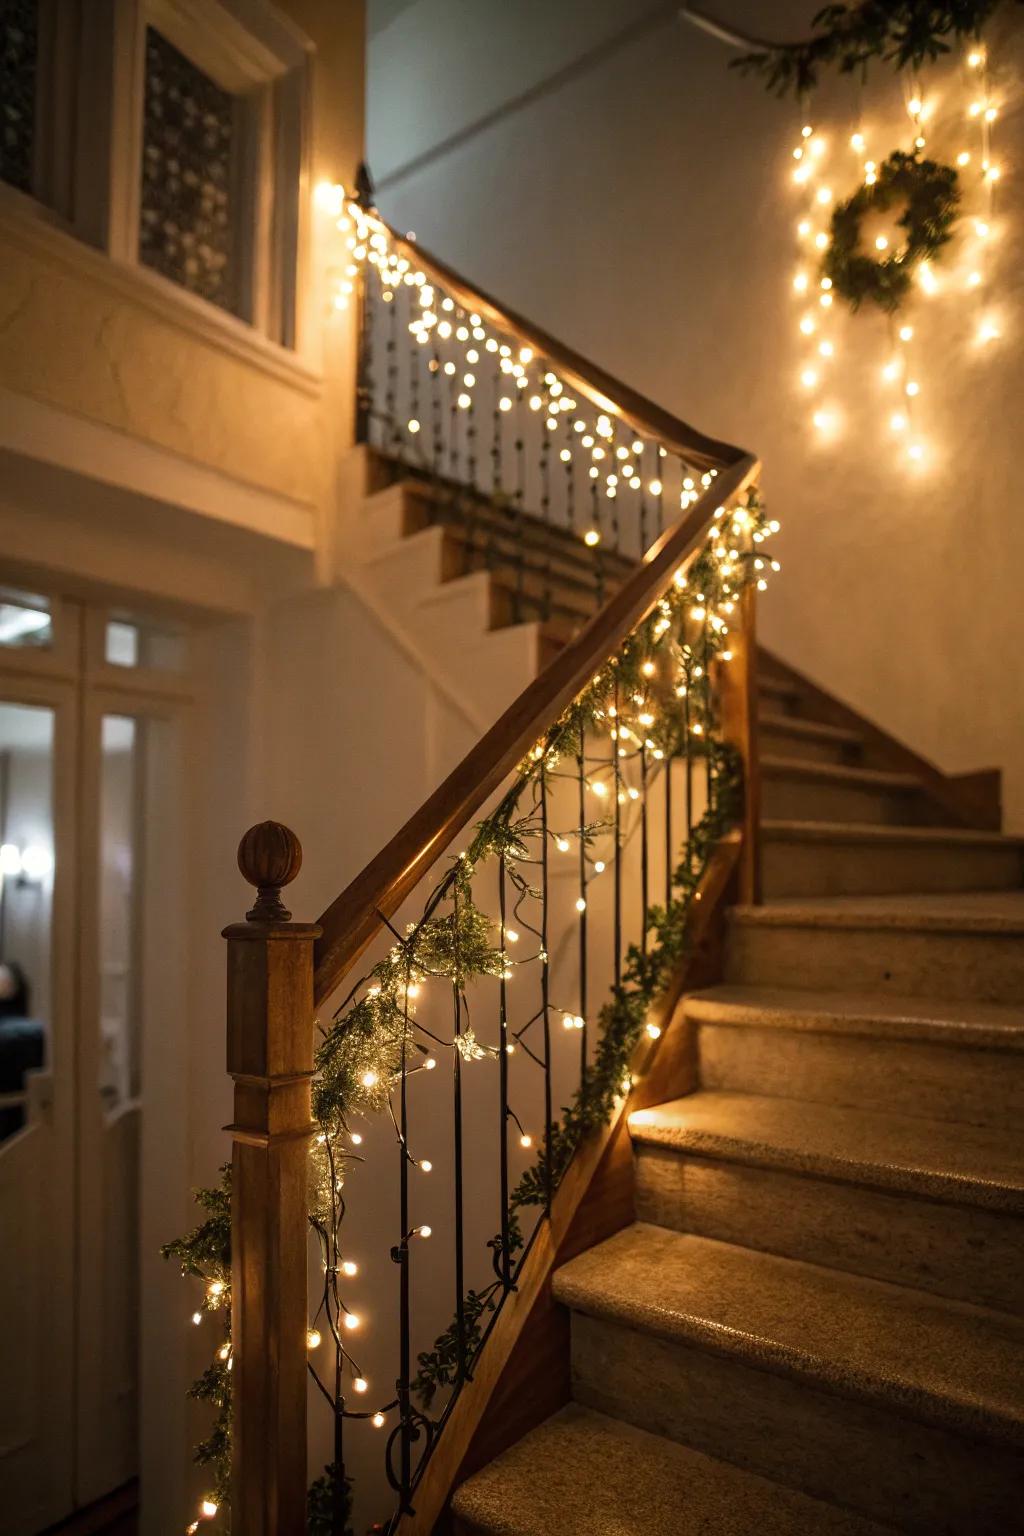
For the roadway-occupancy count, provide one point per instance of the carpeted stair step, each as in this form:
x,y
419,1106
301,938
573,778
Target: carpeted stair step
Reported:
x,y
794,789
965,945
823,1381
806,858
808,740
962,1062
897,1197
583,1474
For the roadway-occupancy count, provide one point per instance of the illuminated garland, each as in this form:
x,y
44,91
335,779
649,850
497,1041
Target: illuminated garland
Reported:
x,y
903,273
359,1060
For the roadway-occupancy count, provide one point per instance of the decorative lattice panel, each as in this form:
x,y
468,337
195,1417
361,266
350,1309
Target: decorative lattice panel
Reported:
x,y
19,51
186,213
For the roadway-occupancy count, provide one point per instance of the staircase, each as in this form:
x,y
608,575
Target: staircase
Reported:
x,y
814,1324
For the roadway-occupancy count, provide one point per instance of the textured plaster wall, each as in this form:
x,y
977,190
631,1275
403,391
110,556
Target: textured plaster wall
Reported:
x,y
74,340
644,213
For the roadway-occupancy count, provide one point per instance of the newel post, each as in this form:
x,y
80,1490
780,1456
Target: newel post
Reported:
x,y
739,727
270,1057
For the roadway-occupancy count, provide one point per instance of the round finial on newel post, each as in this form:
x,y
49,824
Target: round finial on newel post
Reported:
x,y
269,856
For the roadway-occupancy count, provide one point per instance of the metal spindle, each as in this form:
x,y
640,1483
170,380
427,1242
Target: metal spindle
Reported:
x,y
402,1257
644,851
617,770
460,1254
582,903
518,505
391,391
503,1042
545,981
545,512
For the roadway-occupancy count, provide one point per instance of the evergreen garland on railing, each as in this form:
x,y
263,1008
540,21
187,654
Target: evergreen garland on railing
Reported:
x,y
902,33
362,1052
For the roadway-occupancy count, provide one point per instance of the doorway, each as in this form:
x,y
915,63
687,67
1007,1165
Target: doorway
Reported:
x,y
94,721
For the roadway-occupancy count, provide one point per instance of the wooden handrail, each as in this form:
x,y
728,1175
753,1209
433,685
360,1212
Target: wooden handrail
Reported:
x,y
602,389
355,917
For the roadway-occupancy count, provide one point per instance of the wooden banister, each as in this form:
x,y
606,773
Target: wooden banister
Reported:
x,y
354,918
602,389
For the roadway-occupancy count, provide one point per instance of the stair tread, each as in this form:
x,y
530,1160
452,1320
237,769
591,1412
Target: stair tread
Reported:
x,y
979,1025
584,1474
977,1165
814,730
860,831
945,1362
947,912
777,765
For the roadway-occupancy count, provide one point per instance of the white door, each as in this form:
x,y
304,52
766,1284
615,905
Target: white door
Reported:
x,y
91,814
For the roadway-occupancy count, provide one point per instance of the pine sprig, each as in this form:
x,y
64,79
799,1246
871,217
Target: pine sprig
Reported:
x,y
906,34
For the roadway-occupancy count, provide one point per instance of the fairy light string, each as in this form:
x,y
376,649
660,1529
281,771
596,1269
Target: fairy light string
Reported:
x,y
651,704
974,112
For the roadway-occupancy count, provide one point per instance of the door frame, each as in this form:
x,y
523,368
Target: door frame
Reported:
x,y
73,677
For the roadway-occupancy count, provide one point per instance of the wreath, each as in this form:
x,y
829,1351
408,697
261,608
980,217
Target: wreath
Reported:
x,y
931,193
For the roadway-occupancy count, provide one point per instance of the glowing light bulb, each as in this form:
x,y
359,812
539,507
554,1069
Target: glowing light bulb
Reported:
x,y
360,1384
356,1139
349,1268
826,348
857,142
562,844
654,1031
422,1231
906,333
800,282
914,106
897,421
824,194
913,387
963,158
425,1164
592,537
881,243
581,905
807,326
821,240
215,1288
599,867
988,332
369,1079
808,378
197,1318
974,280
414,426
891,370
975,59
525,1140
915,451
208,1508
429,1064
313,1338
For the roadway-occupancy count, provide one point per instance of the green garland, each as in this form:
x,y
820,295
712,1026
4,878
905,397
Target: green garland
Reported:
x,y
902,33
932,196
362,1051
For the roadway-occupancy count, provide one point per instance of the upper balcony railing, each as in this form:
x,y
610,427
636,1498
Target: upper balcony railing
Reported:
x,y
437,1132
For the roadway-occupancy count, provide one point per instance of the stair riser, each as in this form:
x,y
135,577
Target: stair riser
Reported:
x,y
849,1452
907,1077
797,799
982,967
807,749
951,1250
794,868
777,698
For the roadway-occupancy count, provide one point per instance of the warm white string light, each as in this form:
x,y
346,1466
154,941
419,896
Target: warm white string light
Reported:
x,y
900,371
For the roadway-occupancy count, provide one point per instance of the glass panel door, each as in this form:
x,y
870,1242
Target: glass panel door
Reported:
x,y
37,748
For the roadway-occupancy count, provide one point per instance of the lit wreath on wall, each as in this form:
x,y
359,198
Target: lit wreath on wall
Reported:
x,y
931,194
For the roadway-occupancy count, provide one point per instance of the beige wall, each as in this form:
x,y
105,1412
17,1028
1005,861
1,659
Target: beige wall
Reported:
x,y
644,213
113,345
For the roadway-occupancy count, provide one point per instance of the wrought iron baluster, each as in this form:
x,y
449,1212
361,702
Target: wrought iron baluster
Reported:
x,y
581,902
391,393
401,1255
518,504
617,785
644,850
503,1045
545,512
460,1236
545,983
